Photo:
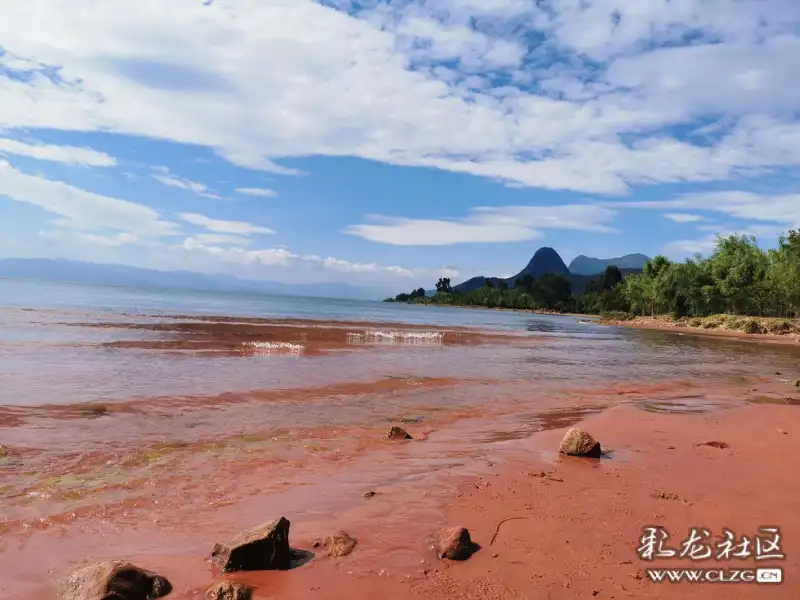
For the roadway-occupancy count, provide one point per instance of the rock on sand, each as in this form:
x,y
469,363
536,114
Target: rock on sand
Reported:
x,y
455,543
398,433
229,590
265,547
340,544
578,442
113,580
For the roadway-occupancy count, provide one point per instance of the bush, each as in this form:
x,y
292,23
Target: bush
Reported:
x,y
696,322
751,326
780,326
713,323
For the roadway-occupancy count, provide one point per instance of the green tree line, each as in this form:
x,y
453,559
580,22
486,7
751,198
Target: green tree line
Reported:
x,y
737,278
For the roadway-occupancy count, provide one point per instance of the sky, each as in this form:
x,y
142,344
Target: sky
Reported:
x,y
393,142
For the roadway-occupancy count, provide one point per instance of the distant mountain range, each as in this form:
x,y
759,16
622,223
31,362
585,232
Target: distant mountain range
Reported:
x,y
124,276
581,271
585,265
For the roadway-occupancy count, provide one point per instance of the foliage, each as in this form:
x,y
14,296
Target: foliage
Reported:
x,y
443,286
738,278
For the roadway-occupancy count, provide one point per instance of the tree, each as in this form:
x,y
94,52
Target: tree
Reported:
x,y
783,275
502,285
443,285
611,278
739,268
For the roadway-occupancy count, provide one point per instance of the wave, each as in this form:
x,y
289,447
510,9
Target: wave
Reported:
x,y
427,338
274,347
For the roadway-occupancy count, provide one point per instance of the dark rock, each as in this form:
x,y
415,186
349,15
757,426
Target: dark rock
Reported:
x,y
113,580
455,543
229,590
721,445
578,442
369,494
265,547
669,496
340,544
398,433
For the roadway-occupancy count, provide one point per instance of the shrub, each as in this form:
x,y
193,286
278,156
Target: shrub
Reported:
x,y
751,326
781,326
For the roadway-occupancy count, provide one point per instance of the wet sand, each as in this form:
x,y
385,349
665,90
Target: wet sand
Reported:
x,y
550,526
157,478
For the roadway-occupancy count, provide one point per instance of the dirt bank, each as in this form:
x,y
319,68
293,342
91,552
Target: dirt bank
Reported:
x,y
721,326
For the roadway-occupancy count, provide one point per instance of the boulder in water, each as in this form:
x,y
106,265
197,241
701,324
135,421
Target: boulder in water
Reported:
x,y
578,442
265,547
113,580
398,433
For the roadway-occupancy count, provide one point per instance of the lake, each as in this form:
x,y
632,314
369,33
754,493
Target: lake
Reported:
x,y
130,415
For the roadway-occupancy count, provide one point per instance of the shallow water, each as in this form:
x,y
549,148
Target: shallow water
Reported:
x,y
135,423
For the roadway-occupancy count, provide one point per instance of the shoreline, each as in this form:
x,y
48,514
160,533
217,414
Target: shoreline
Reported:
x,y
666,324
177,472
661,323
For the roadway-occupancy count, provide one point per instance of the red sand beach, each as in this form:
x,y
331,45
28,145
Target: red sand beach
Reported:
x,y
158,478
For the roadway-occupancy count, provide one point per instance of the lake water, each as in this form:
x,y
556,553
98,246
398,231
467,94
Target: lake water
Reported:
x,y
128,415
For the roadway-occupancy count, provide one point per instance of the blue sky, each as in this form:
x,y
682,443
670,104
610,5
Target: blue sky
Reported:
x,y
390,143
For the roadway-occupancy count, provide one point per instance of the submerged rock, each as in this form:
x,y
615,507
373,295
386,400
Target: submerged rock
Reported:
x,y
398,433
578,442
340,544
113,580
455,543
229,590
265,547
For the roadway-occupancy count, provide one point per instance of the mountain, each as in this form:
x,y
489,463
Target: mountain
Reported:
x,y
547,260
544,261
124,276
585,265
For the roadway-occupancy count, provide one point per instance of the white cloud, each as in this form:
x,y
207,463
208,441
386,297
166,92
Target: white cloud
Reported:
x,y
164,176
221,226
485,225
430,40
681,248
764,234
80,209
338,265
70,155
776,208
683,217
260,192
111,240
462,86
